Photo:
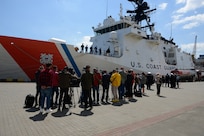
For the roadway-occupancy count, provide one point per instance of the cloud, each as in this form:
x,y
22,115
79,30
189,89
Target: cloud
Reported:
x,y
189,5
190,25
190,21
177,17
85,40
180,1
188,14
190,46
163,6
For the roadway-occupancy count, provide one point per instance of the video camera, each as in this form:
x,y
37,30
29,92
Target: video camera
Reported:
x,y
75,82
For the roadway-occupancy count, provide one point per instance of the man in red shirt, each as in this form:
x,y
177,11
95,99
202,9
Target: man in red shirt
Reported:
x,y
45,80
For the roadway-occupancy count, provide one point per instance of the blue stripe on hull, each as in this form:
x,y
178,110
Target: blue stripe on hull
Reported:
x,y
71,59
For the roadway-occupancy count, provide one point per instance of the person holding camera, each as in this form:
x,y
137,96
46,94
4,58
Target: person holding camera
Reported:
x,y
64,83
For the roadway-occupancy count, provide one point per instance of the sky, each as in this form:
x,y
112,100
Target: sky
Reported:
x,y
72,20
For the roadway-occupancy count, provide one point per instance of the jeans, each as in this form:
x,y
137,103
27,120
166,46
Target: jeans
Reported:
x,y
45,93
96,89
121,91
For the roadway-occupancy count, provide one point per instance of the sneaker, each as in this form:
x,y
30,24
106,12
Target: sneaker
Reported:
x,y
90,108
48,110
114,100
41,110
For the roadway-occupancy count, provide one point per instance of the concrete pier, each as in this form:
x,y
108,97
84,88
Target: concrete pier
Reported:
x,y
178,112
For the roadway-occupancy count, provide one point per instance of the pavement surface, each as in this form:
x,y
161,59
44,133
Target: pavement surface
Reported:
x,y
178,112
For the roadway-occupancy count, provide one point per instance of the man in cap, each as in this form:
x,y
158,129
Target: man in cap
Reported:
x,y
87,84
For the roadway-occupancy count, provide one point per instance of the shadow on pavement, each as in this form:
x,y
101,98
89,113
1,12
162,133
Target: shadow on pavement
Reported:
x,y
63,113
162,96
85,113
32,109
39,117
132,100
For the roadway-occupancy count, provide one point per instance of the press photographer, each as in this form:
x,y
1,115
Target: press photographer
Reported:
x,y
66,80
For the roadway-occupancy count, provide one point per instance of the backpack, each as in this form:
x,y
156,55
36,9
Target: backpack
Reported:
x,y
29,101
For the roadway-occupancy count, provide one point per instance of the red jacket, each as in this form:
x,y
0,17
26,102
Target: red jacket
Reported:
x,y
55,78
97,79
45,78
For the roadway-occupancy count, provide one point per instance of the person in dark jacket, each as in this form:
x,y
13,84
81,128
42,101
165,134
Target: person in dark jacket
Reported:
x,y
150,80
173,80
129,84
105,84
64,84
167,78
87,84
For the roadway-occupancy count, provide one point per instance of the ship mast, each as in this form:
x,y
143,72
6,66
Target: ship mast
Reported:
x,y
106,8
141,12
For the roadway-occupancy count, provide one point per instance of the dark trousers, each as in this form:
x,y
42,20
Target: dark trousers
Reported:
x,y
87,97
105,92
167,84
37,100
96,92
129,91
55,90
63,94
148,86
158,89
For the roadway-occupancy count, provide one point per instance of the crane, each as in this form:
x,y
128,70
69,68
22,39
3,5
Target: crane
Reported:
x,y
194,48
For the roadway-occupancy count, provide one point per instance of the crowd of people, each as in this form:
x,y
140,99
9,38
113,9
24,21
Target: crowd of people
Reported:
x,y
49,83
93,50
124,84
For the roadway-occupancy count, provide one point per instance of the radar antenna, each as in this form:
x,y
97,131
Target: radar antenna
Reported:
x,y
141,12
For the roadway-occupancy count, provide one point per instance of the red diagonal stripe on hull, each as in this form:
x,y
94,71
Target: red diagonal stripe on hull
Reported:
x,y
26,53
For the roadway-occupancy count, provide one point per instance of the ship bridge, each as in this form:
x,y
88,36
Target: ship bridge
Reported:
x,y
110,25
